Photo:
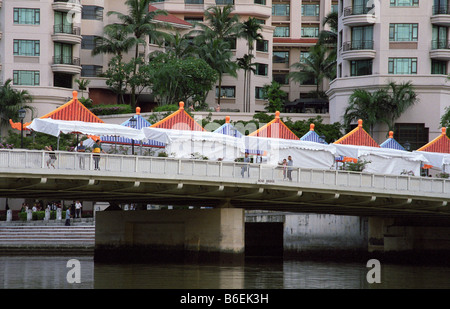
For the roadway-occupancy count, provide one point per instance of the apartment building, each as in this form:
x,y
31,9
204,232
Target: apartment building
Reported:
x,y
398,40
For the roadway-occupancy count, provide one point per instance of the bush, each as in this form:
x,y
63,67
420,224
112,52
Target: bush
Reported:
x,y
40,215
111,109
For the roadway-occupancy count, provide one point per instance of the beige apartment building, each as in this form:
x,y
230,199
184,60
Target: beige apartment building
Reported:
x,y
398,40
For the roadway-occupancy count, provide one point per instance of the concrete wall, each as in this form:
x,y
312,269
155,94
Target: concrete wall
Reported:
x,y
177,234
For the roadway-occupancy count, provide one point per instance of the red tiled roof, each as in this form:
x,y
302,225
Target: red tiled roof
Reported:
x,y
73,110
439,144
358,136
168,18
275,129
179,120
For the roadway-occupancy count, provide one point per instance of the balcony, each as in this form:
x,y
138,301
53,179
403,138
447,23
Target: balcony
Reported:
x,y
441,15
66,64
440,50
66,34
358,50
359,15
67,6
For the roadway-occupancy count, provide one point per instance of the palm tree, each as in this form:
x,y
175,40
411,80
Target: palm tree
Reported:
x,y
180,46
140,23
249,31
401,97
245,63
115,42
366,105
329,39
11,101
315,67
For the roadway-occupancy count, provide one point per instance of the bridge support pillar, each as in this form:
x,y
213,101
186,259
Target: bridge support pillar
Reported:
x,y
177,235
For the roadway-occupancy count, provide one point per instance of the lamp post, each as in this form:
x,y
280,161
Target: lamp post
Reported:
x,y
22,113
133,125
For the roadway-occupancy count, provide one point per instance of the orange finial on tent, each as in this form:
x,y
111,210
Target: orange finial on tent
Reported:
x,y
360,123
391,134
75,94
444,129
181,105
227,119
277,115
311,127
138,110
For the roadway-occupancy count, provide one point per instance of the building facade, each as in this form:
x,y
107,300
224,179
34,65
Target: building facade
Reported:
x,y
401,41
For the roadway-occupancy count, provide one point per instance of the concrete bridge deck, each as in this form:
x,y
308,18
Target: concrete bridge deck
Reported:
x,y
219,184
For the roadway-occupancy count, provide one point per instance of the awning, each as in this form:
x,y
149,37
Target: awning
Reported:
x,y
56,127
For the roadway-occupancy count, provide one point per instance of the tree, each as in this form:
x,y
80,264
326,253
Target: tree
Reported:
x,y
315,67
245,63
368,106
401,97
11,101
139,22
445,120
329,39
275,96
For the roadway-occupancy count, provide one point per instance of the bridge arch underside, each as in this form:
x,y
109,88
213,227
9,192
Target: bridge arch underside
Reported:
x,y
245,194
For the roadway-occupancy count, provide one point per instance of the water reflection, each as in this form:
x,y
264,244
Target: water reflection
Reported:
x,y
26,272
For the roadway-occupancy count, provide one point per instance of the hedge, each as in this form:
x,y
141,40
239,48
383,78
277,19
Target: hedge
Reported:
x,y
40,215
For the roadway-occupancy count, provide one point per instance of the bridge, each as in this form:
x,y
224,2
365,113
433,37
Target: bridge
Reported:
x,y
203,183
222,188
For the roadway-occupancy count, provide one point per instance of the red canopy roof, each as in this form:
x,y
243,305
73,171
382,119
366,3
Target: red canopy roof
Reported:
x,y
179,120
358,136
73,110
439,144
275,129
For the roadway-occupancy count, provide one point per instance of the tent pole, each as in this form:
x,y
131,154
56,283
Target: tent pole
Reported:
x,y
57,144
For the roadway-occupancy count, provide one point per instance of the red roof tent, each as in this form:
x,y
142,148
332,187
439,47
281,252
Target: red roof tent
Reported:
x,y
358,136
179,120
440,144
275,129
73,110
168,18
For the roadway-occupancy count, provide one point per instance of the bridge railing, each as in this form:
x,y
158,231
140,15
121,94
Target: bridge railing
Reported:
x,y
203,169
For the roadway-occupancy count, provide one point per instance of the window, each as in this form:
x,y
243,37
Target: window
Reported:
x,y
362,38
26,48
63,24
232,42
281,32
404,2
226,92
402,66
360,67
281,78
193,1
310,32
438,67
23,16
63,53
262,46
62,80
193,20
310,9
280,57
416,134
362,7
260,93
26,78
403,32
262,2
440,7
260,21
261,69
224,2
303,56
439,37
280,9
334,8
92,12
91,70
89,41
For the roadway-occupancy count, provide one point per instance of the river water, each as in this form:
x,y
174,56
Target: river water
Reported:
x,y
54,272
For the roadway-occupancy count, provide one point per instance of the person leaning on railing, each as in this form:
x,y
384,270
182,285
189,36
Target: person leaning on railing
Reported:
x,y
97,149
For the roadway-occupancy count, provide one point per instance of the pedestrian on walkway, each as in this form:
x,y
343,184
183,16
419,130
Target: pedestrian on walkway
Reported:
x,y
290,163
78,207
284,166
81,148
97,149
245,167
67,217
51,156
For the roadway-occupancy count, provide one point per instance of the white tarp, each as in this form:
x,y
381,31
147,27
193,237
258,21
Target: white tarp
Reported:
x,y
304,154
188,144
384,160
55,127
438,160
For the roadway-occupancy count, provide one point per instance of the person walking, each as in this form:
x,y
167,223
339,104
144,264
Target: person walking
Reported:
x,y
290,163
81,148
97,149
67,217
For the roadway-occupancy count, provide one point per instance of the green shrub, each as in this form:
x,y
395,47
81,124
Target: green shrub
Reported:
x,y
111,109
40,215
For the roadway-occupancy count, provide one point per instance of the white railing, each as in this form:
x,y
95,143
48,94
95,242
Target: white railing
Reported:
x,y
219,170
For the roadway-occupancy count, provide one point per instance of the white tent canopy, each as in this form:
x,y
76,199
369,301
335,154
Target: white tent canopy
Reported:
x,y
438,160
185,143
384,160
304,154
56,127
